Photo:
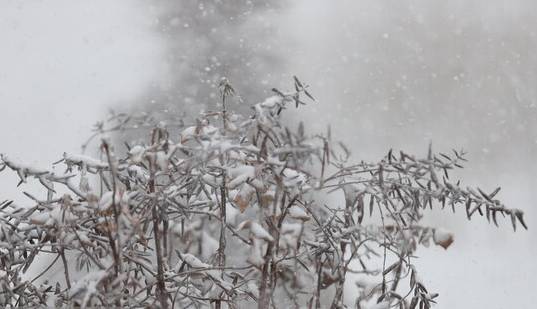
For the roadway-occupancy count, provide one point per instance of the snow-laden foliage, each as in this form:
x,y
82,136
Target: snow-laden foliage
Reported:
x,y
232,212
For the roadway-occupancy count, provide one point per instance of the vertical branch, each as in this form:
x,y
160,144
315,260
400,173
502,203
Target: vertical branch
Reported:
x,y
319,283
111,165
264,293
342,266
397,275
267,273
161,286
224,112
165,227
222,241
115,209
65,268
225,91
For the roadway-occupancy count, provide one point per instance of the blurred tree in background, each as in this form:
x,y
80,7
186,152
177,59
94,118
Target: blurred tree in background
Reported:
x,y
207,40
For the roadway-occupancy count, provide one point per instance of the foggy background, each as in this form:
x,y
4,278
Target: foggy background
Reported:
x,y
387,74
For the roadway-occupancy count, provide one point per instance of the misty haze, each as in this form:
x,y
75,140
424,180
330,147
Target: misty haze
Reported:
x,y
268,154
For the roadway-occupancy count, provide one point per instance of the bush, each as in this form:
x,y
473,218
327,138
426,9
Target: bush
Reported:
x,y
231,213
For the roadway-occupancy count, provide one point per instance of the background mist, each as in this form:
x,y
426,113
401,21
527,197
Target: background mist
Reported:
x,y
387,74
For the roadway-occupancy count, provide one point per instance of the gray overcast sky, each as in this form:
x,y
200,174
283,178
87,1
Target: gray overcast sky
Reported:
x,y
387,74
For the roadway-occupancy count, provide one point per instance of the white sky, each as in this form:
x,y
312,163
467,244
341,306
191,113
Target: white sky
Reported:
x,y
347,49
62,63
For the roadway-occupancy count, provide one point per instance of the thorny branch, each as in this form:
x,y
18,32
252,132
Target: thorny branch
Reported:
x,y
167,223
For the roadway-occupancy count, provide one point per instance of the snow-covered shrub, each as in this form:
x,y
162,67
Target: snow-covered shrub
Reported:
x,y
231,212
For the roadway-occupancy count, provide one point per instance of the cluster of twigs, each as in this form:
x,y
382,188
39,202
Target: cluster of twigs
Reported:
x,y
230,213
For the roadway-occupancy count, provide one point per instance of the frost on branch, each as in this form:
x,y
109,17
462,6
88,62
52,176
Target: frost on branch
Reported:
x,y
227,212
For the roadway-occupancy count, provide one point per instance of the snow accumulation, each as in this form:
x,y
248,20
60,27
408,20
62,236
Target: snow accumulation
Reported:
x,y
83,161
243,196
256,253
24,170
136,154
88,283
289,235
202,131
272,102
108,198
442,237
240,175
297,212
256,230
207,269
